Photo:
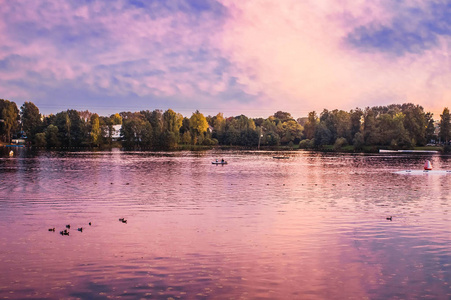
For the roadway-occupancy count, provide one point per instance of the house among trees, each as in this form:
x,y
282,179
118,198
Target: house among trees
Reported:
x,y
116,133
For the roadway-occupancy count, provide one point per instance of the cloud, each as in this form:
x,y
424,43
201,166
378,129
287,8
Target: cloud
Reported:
x,y
411,29
123,48
251,57
299,56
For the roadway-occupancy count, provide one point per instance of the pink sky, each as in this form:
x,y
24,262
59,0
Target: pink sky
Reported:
x,y
235,57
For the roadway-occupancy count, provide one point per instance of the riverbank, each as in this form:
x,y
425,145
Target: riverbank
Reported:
x,y
323,148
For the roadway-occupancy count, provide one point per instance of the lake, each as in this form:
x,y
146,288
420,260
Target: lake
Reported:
x,y
313,226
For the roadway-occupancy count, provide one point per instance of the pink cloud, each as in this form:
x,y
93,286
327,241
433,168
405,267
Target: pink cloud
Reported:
x,y
262,57
297,59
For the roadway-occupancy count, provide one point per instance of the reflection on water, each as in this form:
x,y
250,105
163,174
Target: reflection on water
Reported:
x,y
312,226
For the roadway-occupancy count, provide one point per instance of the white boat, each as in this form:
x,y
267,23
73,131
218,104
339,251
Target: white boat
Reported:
x,y
423,172
407,151
219,162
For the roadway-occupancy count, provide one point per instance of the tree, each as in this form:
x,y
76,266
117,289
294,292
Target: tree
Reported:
x,y
133,131
445,126
31,119
219,122
323,136
310,125
116,119
358,141
171,127
63,124
198,124
78,129
430,128
291,132
40,139
9,116
415,122
370,130
186,137
283,116
51,135
155,118
95,133
356,121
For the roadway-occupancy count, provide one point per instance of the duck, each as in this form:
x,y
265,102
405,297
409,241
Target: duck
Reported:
x,y
89,223
124,221
80,229
68,226
389,218
64,232
52,229
121,219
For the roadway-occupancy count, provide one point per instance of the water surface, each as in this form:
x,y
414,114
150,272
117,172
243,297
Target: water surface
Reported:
x,y
308,227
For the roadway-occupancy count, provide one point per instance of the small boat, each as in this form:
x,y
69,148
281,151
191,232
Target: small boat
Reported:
x,y
423,172
219,162
407,151
281,157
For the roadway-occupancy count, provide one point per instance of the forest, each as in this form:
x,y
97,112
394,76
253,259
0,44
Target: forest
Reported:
x,y
396,126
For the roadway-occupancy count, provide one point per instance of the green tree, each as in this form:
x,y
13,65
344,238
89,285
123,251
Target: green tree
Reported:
x,y
323,136
155,118
95,134
40,139
445,126
78,130
31,119
430,128
51,135
358,141
186,137
283,116
370,130
310,125
356,121
133,131
415,122
63,124
291,132
9,119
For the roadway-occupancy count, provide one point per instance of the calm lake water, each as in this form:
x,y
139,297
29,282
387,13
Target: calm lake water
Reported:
x,y
313,226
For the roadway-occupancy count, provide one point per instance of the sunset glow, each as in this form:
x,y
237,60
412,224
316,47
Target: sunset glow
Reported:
x,y
236,57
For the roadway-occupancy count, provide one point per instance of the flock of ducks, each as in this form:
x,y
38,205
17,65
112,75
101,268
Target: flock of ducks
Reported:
x,y
66,231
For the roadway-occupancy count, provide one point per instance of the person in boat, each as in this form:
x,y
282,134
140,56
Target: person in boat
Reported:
x,y
222,160
216,160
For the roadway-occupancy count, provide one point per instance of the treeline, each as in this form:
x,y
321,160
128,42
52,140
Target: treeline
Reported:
x,y
393,126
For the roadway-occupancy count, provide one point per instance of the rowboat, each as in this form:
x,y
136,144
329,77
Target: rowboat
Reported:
x,y
281,157
219,162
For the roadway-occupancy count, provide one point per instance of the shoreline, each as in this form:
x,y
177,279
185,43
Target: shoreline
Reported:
x,y
323,149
